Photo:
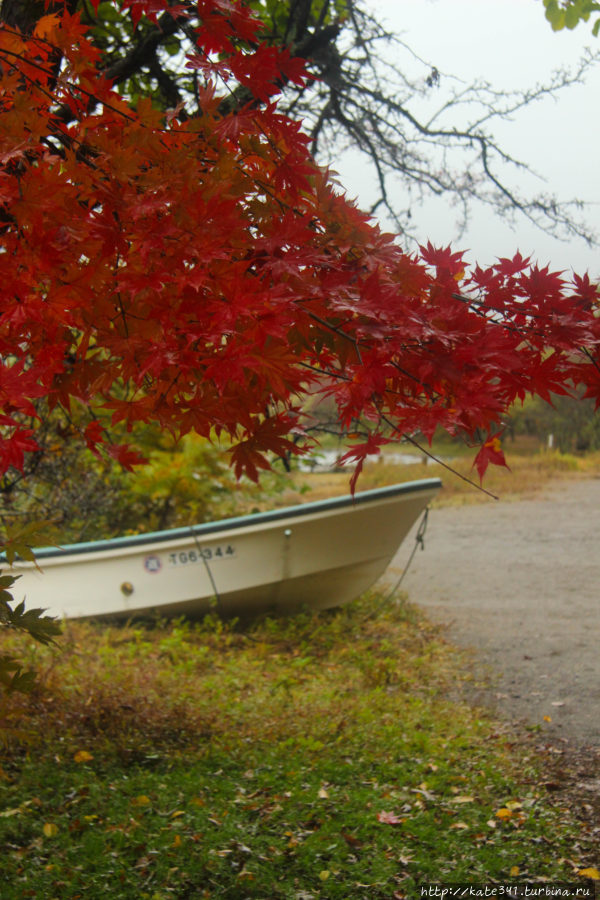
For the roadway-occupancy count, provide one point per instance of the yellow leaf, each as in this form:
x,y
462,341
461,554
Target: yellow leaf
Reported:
x,y
324,874
514,871
592,872
82,756
547,718
514,804
503,813
50,829
141,800
176,841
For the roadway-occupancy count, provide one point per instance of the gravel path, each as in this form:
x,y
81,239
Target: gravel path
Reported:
x,y
519,582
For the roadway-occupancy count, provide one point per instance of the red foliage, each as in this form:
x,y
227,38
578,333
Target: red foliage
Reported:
x,y
205,274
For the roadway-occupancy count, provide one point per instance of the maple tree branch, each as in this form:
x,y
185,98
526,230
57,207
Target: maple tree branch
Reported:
x,y
142,54
361,139
591,358
339,376
340,332
58,115
415,443
377,94
480,308
356,343
449,468
305,48
167,85
144,49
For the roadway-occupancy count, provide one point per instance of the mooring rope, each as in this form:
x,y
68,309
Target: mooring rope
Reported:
x,y
208,570
419,542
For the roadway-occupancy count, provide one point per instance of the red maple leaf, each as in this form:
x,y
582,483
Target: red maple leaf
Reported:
x,y
491,452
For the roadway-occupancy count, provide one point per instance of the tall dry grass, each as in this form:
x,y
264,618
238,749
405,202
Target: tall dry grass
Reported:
x,y
528,475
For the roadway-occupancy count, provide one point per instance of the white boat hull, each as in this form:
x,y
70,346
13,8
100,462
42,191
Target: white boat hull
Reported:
x,y
315,555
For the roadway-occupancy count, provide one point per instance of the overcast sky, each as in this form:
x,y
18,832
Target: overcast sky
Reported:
x,y
510,44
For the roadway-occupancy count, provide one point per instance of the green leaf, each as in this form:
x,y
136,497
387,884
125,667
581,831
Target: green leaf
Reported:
x,y
20,538
554,14
172,45
573,15
12,676
7,581
40,627
570,13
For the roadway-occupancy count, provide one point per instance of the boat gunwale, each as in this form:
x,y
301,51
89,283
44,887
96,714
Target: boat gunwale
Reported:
x,y
236,522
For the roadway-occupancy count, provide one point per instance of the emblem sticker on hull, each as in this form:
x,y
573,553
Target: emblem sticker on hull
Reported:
x,y
153,564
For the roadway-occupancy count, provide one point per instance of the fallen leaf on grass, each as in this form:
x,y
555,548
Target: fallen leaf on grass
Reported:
x,y
82,756
50,829
592,872
389,818
423,791
351,840
503,813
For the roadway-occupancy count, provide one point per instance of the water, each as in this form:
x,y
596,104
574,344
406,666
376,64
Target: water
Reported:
x,y
326,460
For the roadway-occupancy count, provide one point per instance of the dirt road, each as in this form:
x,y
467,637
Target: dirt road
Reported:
x,y
519,582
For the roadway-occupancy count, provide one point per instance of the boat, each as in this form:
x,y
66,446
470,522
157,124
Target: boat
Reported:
x,y
315,555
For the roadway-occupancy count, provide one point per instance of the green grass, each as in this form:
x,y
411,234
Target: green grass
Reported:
x,y
316,757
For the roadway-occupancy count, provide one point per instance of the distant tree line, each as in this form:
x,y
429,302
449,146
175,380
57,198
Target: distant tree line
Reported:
x,y
569,424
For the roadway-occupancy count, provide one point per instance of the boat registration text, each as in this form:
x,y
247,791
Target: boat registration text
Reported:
x,y
201,554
